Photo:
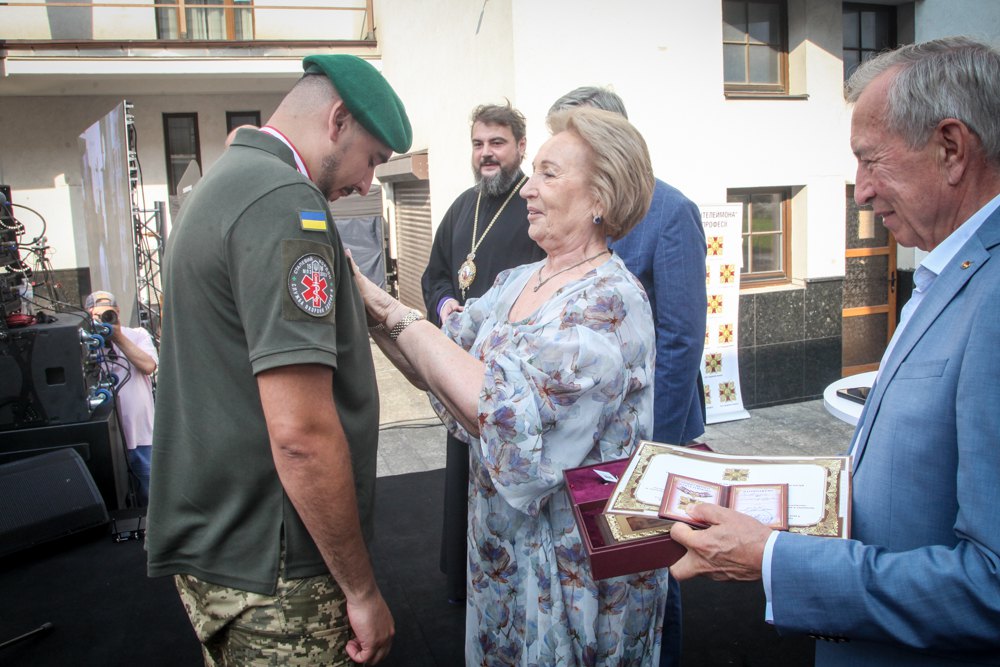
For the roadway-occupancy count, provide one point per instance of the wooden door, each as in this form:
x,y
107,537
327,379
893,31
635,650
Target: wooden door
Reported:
x,y
869,309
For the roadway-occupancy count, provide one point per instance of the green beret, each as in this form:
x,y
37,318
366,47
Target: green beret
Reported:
x,y
367,95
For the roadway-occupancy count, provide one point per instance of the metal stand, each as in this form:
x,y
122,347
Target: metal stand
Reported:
x,y
41,628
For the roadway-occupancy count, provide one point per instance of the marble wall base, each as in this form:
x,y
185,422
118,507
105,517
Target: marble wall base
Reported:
x,y
790,343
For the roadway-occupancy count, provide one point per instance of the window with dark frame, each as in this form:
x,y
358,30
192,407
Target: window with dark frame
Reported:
x,y
236,118
766,234
868,30
180,137
754,46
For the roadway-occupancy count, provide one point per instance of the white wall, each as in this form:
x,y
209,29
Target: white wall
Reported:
x,y
442,69
665,60
662,56
302,23
83,22
41,161
979,19
126,22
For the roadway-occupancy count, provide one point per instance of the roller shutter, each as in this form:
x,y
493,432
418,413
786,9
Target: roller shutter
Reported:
x,y
413,238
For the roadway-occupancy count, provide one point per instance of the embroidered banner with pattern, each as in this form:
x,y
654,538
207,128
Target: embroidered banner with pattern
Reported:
x,y
720,368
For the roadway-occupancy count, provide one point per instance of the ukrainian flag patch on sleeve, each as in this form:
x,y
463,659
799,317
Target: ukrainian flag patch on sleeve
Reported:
x,y
313,221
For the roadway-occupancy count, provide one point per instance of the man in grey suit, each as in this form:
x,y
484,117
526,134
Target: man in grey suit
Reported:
x,y
919,583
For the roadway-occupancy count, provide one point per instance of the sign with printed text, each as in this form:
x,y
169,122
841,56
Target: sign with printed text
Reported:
x,y
720,369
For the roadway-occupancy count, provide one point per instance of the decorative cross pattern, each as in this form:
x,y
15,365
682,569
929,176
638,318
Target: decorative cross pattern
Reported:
x,y
727,274
713,362
736,474
725,333
714,304
714,246
727,391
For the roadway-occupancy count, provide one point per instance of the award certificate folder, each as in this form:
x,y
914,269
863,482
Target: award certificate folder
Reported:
x,y
819,488
768,503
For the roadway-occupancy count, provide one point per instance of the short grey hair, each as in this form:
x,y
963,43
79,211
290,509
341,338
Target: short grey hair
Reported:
x,y
621,175
590,96
953,77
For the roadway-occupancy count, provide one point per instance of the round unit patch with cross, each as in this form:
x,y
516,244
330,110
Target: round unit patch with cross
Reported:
x,y
310,284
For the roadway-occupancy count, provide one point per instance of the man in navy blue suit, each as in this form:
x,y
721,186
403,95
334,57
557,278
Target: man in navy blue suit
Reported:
x,y
666,252
919,582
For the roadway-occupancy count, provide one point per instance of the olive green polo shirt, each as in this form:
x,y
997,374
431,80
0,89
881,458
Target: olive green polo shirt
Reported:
x,y
255,277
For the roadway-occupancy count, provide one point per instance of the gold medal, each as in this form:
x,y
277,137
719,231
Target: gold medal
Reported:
x,y
467,272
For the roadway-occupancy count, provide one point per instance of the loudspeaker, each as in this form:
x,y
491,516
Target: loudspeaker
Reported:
x,y
49,374
46,497
97,441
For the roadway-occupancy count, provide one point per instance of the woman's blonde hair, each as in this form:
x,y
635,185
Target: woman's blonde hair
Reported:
x,y
622,174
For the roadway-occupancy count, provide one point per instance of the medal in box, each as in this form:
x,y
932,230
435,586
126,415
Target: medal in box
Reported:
x,y
616,544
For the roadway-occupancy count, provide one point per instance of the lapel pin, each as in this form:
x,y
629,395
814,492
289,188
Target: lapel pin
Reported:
x,y
966,264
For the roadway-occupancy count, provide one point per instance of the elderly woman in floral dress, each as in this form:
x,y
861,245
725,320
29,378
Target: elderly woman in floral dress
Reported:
x,y
550,369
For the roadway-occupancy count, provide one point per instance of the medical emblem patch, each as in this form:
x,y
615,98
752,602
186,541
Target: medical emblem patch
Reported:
x,y
310,284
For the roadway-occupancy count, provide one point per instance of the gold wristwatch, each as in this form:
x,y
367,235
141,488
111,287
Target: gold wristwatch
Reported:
x,y
408,319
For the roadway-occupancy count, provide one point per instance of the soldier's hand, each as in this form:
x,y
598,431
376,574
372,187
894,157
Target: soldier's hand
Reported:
x,y
373,629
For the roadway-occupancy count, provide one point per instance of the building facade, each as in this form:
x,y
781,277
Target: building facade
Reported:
x,y
739,101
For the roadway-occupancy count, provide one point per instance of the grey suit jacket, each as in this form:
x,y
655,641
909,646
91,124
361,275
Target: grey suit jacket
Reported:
x,y
919,583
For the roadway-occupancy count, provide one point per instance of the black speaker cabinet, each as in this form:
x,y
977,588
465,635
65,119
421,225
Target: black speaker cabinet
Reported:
x,y
97,441
46,497
47,374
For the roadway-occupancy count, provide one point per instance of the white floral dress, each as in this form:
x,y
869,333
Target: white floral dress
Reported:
x,y
568,386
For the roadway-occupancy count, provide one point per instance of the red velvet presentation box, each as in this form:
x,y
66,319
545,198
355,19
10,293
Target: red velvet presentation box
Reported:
x,y
589,494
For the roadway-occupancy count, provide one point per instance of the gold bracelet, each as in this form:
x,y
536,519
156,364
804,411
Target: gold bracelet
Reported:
x,y
408,319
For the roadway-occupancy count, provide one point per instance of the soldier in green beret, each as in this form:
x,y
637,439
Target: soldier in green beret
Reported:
x,y
261,500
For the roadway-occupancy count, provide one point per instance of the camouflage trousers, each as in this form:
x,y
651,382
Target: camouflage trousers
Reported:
x,y
303,623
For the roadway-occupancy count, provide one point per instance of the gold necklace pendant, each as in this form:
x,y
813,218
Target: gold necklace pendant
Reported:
x,y
467,272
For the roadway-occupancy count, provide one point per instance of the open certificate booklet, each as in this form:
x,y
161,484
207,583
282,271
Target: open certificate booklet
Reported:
x,y
819,488
768,503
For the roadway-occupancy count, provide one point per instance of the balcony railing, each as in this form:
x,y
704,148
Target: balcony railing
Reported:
x,y
85,24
